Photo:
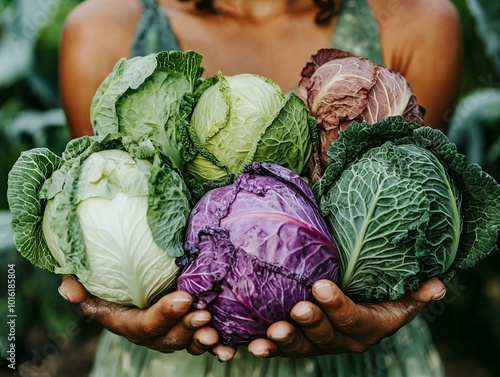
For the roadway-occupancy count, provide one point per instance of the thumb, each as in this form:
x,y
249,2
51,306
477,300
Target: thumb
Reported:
x,y
72,290
429,290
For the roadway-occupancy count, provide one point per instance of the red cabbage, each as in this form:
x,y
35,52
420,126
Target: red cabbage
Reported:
x,y
340,88
254,250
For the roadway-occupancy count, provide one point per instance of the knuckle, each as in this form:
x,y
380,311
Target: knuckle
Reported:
x,y
327,342
175,344
147,330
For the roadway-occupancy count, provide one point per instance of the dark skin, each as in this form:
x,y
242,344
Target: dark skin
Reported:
x,y
419,38
335,325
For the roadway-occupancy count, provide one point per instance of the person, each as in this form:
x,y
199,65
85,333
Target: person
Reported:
x,y
274,38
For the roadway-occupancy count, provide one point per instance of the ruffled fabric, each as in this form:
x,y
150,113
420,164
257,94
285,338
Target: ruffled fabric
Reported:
x,y
408,353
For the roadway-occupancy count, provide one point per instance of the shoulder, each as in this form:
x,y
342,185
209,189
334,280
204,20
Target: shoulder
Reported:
x,y
416,32
416,12
105,26
96,34
422,40
410,26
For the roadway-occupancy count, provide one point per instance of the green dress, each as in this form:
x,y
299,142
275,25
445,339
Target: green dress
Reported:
x,y
408,353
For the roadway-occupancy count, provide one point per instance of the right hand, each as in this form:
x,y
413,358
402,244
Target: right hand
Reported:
x,y
336,324
167,326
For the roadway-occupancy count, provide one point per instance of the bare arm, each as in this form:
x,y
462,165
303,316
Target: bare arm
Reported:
x,y
93,40
424,43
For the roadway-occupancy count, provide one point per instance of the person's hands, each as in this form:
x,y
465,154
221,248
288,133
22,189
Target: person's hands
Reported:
x,y
340,325
167,326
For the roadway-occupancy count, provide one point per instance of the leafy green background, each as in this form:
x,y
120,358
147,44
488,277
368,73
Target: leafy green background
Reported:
x,y
52,336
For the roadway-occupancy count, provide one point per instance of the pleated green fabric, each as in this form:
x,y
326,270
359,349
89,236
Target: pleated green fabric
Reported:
x,y
153,32
408,353
357,31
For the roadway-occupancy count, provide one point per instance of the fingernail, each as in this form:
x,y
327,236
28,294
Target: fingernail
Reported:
x,y
304,315
279,335
224,356
63,295
260,351
181,304
439,295
324,292
200,319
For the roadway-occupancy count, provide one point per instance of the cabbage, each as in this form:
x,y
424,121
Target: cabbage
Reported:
x,y
340,88
404,206
246,118
113,220
253,250
147,99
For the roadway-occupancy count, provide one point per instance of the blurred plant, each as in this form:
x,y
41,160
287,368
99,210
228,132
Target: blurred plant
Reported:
x,y
29,46
475,125
475,128
30,116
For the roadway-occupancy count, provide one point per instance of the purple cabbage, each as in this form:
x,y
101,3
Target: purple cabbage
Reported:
x,y
254,249
340,88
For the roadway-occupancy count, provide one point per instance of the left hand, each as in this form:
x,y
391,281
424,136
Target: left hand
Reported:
x,y
340,325
167,326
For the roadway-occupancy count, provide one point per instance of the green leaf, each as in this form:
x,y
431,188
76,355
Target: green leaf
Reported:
x,y
187,64
127,73
145,99
168,208
152,113
289,140
243,119
375,209
488,26
25,182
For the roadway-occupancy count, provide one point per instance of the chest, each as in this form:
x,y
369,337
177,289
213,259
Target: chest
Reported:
x,y
277,50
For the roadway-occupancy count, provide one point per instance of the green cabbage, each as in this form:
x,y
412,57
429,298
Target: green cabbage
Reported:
x,y
243,119
113,220
404,206
147,99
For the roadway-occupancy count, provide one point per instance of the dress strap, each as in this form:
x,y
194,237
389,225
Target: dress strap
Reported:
x,y
357,31
153,32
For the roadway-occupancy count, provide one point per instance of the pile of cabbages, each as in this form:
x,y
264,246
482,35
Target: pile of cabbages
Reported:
x,y
244,196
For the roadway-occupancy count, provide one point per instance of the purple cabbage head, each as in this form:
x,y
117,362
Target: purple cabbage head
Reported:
x,y
254,250
340,88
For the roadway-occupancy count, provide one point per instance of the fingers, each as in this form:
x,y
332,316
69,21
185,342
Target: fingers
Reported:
x,y
429,290
343,314
204,339
315,324
72,290
166,326
128,321
223,352
357,326
290,341
263,348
